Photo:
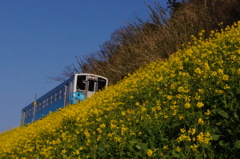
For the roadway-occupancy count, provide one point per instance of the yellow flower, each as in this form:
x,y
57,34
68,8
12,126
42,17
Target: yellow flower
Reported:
x,y
220,71
118,139
226,86
182,130
200,90
219,91
192,131
63,151
180,117
180,89
225,77
86,133
174,112
200,121
200,104
169,97
174,102
123,113
99,130
102,125
77,152
144,109
183,137
149,152
204,137
214,73
137,103
238,71
194,147
165,147
198,70
187,105
165,116
208,112
178,149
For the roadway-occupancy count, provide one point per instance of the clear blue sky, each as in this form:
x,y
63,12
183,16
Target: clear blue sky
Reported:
x,y
39,38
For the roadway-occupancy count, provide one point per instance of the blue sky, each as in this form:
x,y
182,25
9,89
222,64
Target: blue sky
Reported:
x,y
39,38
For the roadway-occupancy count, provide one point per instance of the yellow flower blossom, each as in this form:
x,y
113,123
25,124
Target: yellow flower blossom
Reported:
x,y
226,86
182,130
192,131
198,70
123,113
169,97
238,71
225,77
208,112
137,103
200,121
102,125
204,137
165,116
180,117
63,152
149,152
178,149
200,104
194,147
99,130
187,105
165,147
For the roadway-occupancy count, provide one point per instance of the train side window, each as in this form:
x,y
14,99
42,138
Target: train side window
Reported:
x,y
81,82
56,96
60,92
40,105
44,103
47,102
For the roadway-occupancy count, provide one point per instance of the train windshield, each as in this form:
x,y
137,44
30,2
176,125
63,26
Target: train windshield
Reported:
x,y
81,82
101,83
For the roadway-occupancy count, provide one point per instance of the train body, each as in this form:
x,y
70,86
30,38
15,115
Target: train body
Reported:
x,y
71,91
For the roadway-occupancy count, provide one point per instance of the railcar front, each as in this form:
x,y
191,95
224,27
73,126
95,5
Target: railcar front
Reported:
x,y
87,84
72,91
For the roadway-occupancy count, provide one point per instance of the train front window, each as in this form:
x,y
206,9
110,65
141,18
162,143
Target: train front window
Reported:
x,y
91,85
81,82
101,83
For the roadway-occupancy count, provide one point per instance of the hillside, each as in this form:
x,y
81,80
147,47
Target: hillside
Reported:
x,y
184,107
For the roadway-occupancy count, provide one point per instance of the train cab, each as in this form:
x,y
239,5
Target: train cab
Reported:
x,y
87,84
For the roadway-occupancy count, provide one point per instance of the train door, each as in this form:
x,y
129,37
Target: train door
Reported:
x,y
68,92
91,86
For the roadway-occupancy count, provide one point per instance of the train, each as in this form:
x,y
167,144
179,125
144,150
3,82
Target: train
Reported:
x,y
75,89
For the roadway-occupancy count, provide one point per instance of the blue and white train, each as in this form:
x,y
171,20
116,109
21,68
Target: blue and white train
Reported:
x,y
73,90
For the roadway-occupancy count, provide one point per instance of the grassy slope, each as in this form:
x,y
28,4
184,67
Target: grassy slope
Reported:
x,y
185,107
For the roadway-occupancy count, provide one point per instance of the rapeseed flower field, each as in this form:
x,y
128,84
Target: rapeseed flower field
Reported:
x,y
183,107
